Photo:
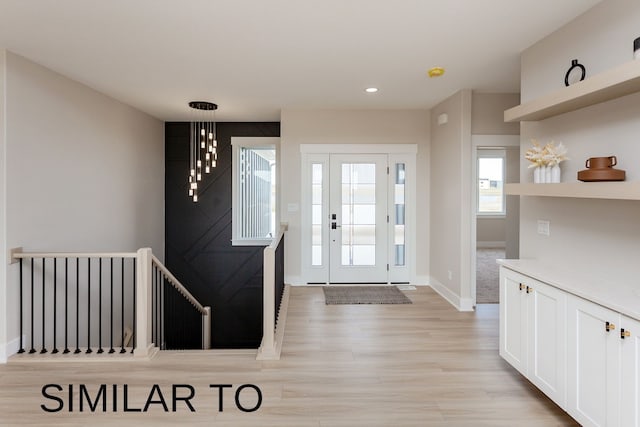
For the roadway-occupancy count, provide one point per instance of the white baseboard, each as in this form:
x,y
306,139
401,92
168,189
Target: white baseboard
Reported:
x,y
466,304
461,304
9,349
489,244
293,280
421,281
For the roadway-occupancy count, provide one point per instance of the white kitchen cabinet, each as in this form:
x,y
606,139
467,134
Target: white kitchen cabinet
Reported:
x,y
574,339
533,331
593,371
630,390
547,346
513,319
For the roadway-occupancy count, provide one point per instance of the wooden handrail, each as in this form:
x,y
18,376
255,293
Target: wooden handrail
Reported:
x,y
179,286
17,253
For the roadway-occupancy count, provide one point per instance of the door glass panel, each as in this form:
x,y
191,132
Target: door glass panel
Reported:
x,y
359,234
399,223
316,214
358,213
363,193
364,255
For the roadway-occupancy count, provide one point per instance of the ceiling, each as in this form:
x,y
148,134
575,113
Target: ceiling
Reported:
x,y
257,57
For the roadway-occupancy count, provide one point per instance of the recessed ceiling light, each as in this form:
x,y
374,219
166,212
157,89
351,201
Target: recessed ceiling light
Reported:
x,y
371,90
435,71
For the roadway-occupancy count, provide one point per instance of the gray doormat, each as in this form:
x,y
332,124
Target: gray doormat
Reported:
x,y
364,295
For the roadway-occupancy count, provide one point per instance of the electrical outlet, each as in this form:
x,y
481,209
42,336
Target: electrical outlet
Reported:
x,y
543,227
450,274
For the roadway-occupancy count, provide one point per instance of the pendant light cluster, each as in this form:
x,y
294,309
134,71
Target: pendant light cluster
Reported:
x,y
203,144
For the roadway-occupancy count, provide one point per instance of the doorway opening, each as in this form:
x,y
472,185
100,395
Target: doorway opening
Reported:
x,y
496,215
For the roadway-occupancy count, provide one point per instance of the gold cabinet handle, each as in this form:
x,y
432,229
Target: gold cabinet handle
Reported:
x,y
624,334
609,326
529,289
521,286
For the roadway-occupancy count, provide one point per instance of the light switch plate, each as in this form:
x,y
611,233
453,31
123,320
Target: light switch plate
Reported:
x,y
543,227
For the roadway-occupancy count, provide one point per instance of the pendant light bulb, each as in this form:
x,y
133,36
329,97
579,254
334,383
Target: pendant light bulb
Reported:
x,y
195,198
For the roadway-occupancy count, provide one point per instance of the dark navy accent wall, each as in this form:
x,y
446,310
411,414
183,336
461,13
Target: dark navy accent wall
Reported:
x,y
198,239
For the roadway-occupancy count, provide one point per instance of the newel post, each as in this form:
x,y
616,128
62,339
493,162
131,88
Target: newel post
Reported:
x,y
143,320
206,328
268,345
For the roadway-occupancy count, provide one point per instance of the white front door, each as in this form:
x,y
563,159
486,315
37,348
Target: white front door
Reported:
x,y
358,218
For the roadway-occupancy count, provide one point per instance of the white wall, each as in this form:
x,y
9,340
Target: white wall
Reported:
x,y
491,230
487,118
601,237
351,127
3,208
487,113
84,172
450,253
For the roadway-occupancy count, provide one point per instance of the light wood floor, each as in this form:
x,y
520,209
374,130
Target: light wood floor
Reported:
x,y
423,364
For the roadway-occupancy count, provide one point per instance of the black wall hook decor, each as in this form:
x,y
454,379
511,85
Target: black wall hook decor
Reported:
x,y
572,70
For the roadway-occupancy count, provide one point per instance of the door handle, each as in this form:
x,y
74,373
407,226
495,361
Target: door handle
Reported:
x,y
335,225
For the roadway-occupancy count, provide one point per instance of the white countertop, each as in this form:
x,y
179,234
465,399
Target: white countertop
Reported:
x,y
618,296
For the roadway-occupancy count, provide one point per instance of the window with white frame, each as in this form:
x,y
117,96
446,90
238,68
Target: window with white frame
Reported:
x,y
254,190
491,173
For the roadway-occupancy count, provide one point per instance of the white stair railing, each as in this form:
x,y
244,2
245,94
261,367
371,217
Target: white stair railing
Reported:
x,y
275,298
76,303
205,312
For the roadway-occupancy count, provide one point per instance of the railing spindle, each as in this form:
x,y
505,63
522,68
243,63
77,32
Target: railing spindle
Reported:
x,y
55,305
154,276
100,349
66,306
43,349
162,287
159,302
111,350
122,350
77,350
89,306
32,350
135,307
21,350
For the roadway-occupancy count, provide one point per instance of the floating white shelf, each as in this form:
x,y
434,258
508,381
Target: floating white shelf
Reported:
x,y
616,190
615,83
